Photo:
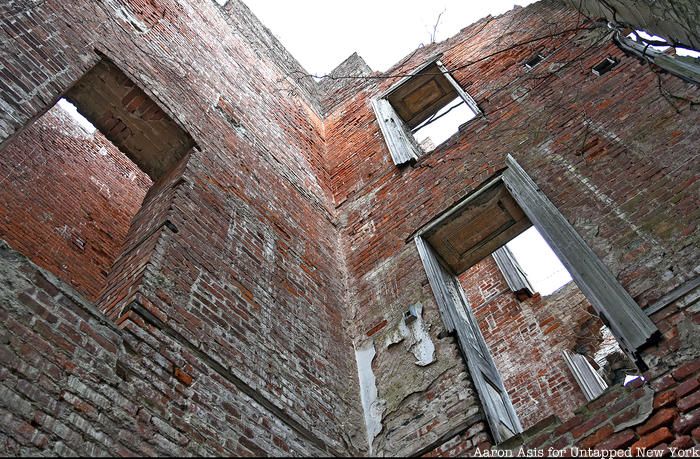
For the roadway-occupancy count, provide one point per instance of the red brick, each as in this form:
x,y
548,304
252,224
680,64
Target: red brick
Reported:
x,y
618,440
183,377
689,402
696,434
687,370
683,442
376,328
687,421
662,417
687,387
652,439
664,399
596,437
663,383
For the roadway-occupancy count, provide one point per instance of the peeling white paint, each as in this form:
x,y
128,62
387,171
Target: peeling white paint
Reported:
x,y
372,406
423,347
417,336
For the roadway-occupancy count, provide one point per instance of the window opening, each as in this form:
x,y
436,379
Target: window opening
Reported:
x,y
443,124
533,61
542,268
77,175
422,110
604,66
495,328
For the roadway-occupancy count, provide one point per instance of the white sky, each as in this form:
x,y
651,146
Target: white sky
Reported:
x,y
542,267
320,34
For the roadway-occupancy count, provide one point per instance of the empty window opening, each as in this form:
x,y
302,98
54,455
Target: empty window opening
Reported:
x,y
542,268
422,110
533,61
73,180
442,125
535,354
73,113
604,66
577,356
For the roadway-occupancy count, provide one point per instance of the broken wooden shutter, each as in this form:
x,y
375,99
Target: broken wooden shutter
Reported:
x,y
587,378
632,328
402,146
458,316
512,272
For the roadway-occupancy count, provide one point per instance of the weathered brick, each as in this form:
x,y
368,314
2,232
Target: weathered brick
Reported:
x,y
687,370
618,440
664,399
652,439
662,417
687,387
689,402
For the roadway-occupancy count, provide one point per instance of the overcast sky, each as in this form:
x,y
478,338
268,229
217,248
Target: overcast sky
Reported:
x,y
322,33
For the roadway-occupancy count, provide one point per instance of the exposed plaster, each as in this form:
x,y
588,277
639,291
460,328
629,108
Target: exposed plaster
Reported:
x,y
417,336
372,406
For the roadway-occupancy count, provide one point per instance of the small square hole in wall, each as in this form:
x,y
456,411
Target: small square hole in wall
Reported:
x,y
604,66
533,61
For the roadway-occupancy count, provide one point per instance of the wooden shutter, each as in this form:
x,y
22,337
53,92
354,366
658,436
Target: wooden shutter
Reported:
x,y
513,273
587,378
402,146
458,316
630,325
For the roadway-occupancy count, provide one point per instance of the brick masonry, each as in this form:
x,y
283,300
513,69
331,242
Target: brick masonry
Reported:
x,y
90,191
538,381
282,239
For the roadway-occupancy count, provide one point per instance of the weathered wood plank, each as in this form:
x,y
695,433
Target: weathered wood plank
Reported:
x,y
630,325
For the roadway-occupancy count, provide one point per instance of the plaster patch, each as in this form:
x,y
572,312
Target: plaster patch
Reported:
x,y
372,406
416,335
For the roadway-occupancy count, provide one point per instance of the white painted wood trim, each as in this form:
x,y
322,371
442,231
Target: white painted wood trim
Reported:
x,y
630,325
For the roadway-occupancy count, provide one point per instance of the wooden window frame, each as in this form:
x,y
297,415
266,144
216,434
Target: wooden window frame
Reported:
x,y
626,320
402,146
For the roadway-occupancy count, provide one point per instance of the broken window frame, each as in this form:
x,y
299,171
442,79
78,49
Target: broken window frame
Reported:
x,y
401,143
512,272
590,382
627,321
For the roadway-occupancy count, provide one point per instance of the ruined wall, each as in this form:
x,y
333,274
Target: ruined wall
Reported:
x,y
283,239
235,257
583,139
67,198
538,381
73,383
661,413
674,20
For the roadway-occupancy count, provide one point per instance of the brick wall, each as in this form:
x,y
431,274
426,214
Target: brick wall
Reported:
x,y
283,238
662,412
73,383
526,339
583,139
67,199
242,259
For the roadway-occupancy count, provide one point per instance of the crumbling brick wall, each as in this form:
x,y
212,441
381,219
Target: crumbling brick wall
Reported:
x,y
582,138
242,261
538,381
284,238
67,199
